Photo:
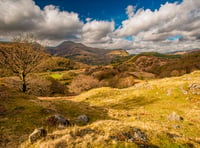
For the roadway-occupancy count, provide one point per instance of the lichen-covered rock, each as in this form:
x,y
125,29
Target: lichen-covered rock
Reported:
x,y
194,88
57,121
174,117
37,134
83,118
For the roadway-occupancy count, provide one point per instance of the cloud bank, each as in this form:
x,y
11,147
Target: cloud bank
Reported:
x,y
174,26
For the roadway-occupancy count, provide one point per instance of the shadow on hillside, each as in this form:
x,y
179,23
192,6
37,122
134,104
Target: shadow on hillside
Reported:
x,y
132,103
71,109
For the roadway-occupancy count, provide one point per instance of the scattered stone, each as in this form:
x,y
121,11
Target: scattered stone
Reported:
x,y
57,121
194,88
176,126
83,119
169,92
134,135
37,134
184,92
174,117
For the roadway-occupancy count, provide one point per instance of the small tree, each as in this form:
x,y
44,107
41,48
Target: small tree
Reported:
x,y
22,57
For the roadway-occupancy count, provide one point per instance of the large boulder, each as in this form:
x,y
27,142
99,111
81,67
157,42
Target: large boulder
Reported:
x,y
57,121
37,134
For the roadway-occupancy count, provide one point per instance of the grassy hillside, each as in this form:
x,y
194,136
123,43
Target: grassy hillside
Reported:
x,y
114,113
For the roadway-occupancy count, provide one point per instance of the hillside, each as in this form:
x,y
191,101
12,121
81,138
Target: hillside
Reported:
x,y
156,113
84,54
161,65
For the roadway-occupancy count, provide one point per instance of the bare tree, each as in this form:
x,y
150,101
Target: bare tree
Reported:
x,y
22,57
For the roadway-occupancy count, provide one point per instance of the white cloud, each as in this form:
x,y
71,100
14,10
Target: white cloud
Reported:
x,y
114,43
130,10
26,16
170,19
150,29
97,32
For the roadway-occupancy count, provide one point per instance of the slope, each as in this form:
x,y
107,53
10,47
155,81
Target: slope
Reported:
x,y
148,106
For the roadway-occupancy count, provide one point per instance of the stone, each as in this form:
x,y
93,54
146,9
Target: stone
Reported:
x,y
176,127
194,88
57,121
139,136
37,134
174,117
169,92
134,135
83,118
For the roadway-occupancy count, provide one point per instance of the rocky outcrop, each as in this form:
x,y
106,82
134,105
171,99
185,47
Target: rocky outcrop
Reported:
x,y
57,121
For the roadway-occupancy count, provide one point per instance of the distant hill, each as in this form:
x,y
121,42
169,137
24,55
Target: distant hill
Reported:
x,y
185,51
84,54
162,65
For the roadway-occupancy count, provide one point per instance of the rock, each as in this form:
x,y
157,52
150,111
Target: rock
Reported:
x,y
169,92
194,88
174,117
83,119
37,134
134,135
139,136
57,121
176,127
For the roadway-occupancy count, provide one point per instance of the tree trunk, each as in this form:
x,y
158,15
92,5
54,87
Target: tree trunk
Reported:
x,y
24,85
24,88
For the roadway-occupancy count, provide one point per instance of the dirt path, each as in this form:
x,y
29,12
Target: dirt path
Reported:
x,y
56,98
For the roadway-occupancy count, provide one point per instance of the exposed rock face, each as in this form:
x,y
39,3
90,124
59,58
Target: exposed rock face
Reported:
x,y
37,134
57,121
194,88
174,117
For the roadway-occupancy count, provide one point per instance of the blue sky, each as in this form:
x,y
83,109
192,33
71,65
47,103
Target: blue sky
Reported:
x,y
103,9
135,25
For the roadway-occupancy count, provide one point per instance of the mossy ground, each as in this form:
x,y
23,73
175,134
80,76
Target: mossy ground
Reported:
x,y
145,106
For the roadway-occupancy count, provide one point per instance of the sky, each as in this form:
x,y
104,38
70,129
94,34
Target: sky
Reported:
x,y
135,25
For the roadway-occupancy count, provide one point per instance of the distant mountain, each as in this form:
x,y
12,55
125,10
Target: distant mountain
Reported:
x,y
185,51
84,54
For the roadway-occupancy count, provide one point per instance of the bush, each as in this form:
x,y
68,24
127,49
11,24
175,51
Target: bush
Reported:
x,y
82,83
122,82
41,86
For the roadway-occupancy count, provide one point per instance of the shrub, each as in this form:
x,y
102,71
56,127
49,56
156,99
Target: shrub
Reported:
x,y
82,83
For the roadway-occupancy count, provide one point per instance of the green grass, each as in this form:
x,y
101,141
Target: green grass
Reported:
x,y
113,111
145,106
56,76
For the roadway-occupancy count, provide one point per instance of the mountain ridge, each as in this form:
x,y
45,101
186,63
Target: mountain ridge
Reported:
x,y
88,55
